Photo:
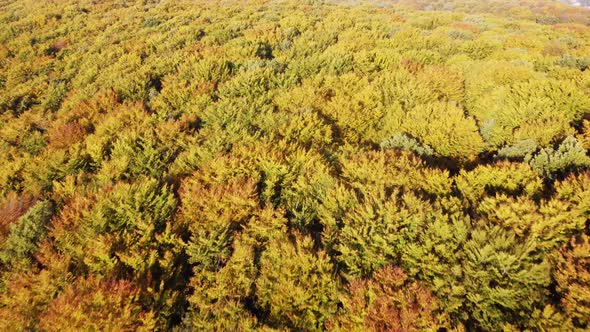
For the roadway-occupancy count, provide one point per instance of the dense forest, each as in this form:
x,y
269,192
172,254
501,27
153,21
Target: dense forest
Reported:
x,y
404,165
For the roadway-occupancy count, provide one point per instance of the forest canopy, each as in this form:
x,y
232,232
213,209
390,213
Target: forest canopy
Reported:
x,y
399,165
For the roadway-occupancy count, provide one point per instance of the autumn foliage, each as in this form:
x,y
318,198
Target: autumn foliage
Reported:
x,y
392,165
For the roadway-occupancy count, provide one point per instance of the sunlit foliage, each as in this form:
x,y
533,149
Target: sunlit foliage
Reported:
x,y
392,165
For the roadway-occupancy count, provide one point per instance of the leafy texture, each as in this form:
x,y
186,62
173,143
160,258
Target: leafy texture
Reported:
x,y
273,165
